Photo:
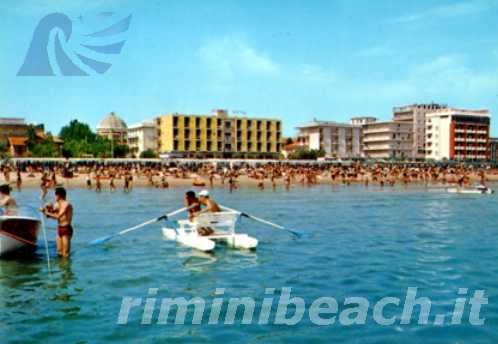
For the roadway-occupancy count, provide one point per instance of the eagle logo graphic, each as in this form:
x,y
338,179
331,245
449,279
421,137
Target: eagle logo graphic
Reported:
x,y
55,50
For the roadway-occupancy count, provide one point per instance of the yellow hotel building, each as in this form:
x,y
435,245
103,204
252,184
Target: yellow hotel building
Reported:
x,y
218,136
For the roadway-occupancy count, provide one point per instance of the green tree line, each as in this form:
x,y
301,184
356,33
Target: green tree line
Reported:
x,y
78,141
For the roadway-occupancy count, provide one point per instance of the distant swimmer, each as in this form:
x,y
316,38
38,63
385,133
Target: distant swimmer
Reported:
x,y
44,185
211,179
126,184
112,185
62,211
287,181
19,180
164,182
88,181
98,183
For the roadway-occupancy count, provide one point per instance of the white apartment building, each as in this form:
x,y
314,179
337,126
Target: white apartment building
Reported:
x,y
142,137
387,140
338,140
416,114
457,134
362,120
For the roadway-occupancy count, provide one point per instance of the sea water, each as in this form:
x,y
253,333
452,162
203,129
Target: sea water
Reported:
x,y
362,242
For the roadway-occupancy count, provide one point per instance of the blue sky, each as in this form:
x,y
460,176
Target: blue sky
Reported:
x,y
294,60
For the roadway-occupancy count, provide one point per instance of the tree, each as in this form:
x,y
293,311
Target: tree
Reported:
x,y
121,151
77,131
307,154
46,148
42,145
148,154
4,151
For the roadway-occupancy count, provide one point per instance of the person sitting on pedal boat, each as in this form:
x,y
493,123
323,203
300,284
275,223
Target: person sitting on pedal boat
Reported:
x,y
192,203
210,207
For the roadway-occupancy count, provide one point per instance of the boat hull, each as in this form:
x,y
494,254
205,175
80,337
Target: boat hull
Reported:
x,y
17,234
208,243
240,241
469,191
190,240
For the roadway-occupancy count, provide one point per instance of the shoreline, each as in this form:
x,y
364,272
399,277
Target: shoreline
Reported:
x,y
79,182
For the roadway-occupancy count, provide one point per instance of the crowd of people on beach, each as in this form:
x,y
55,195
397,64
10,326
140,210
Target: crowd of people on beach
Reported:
x,y
98,177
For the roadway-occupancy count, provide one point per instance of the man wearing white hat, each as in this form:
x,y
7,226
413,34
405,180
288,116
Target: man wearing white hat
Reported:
x,y
210,207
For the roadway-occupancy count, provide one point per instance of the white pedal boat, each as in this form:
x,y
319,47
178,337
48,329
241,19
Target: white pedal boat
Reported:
x,y
223,224
480,189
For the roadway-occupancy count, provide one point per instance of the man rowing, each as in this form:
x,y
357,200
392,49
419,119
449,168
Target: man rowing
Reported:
x,y
192,203
210,207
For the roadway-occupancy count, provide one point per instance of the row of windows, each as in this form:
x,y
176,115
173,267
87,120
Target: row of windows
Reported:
x,y
239,135
220,123
219,146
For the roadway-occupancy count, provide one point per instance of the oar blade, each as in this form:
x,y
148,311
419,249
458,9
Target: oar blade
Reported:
x,y
295,234
100,241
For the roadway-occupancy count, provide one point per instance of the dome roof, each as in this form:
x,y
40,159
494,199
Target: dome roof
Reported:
x,y
112,122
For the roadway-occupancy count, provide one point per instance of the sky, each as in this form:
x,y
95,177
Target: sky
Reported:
x,y
293,60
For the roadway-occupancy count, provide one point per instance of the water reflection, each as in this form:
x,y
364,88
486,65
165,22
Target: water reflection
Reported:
x,y
196,260
16,272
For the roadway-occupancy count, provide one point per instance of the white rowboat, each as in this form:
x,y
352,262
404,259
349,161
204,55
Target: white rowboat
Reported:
x,y
480,189
223,224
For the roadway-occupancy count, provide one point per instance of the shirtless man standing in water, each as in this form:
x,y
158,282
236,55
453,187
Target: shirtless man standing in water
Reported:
x,y
63,213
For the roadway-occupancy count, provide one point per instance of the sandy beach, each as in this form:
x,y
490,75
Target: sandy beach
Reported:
x,y
30,180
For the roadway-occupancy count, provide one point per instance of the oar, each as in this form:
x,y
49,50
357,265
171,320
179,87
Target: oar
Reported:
x,y
109,237
42,221
296,234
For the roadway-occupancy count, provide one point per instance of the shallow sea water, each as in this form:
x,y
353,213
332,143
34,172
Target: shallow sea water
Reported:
x,y
357,241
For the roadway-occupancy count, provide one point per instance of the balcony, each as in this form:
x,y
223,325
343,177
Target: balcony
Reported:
x,y
377,138
377,147
377,130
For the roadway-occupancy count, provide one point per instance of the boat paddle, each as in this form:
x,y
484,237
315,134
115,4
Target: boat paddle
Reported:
x,y
109,237
252,217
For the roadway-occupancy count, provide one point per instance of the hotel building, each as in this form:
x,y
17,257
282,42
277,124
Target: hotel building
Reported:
x,y
493,148
387,140
457,134
415,114
218,136
142,137
362,120
338,140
